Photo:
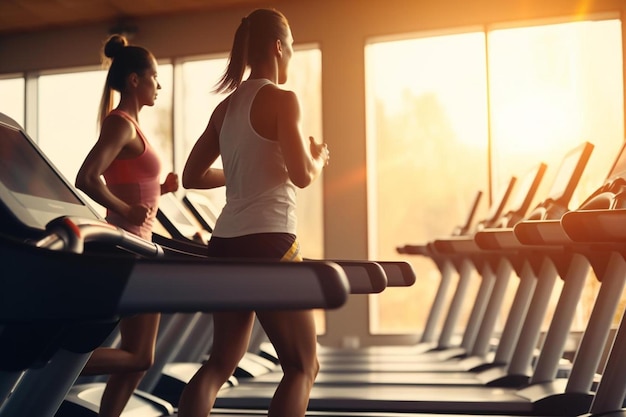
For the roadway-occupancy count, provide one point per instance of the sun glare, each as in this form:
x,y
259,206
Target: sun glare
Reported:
x,y
450,67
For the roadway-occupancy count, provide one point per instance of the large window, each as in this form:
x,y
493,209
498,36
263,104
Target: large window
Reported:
x,y
427,134
12,98
439,106
552,87
68,117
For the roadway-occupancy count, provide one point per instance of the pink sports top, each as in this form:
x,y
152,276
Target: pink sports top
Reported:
x,y
135,181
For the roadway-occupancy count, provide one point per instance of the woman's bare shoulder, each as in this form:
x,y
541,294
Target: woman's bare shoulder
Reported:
x,y
275,96
117,128
220,111
278,91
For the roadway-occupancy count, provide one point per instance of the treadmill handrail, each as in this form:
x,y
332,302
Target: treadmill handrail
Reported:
x,y
216,285
62,285
71,233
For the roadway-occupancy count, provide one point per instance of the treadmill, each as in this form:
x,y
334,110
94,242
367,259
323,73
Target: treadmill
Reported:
x,y
168,380
365,277
445,356
537,273
398,273
202,208
448,266
545,395
474,368
69,276
608,401
429,339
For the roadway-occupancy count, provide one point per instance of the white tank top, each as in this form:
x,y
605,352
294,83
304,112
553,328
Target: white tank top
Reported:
x,y
260,197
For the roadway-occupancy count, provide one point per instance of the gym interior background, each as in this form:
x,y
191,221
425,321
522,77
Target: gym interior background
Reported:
x,y
422,104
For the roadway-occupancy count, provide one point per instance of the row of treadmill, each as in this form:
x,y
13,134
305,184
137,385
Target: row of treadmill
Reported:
x,y
68,277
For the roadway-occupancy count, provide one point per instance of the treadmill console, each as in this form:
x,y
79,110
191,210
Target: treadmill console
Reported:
x,y
32,190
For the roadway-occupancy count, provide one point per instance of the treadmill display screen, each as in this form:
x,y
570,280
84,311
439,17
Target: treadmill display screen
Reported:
x,y
619,168
204,206
24,172
565,175
524,189
500,200
30,188
175,213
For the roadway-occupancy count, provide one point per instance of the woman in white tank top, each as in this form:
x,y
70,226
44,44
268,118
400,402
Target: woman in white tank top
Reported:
x,y
256,130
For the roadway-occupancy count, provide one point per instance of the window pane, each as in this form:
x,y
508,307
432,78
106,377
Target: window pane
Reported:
x,y
68,114
12,98
553,87
427,141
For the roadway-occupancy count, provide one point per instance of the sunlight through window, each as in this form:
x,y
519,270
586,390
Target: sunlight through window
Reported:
x,y
427,134
553,87
550,88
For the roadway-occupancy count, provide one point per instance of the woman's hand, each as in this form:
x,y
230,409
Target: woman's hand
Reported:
x,y
319,151
137,214
171,183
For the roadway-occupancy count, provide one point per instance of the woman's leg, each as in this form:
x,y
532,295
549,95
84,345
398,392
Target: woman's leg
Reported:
x,y
136,352
294,337
230,343
127,365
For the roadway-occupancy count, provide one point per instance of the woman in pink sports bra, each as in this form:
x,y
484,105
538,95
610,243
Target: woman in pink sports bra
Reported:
x,y
130,194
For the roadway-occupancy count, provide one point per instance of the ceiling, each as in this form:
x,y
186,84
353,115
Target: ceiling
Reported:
x,y
31,15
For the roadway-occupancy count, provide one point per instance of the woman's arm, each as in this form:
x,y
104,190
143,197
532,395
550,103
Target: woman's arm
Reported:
x,y
304,159
198,173
115,134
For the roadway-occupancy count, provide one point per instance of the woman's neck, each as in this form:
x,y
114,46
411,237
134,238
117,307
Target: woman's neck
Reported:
x,y
129,106
268,71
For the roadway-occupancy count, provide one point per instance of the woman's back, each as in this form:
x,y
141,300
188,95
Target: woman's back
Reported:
x,y
260,198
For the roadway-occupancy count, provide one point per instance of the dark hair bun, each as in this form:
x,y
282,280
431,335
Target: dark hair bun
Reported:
x,y
114,45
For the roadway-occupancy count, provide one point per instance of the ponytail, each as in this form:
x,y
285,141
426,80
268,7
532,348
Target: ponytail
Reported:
x,y
253,37
238,61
